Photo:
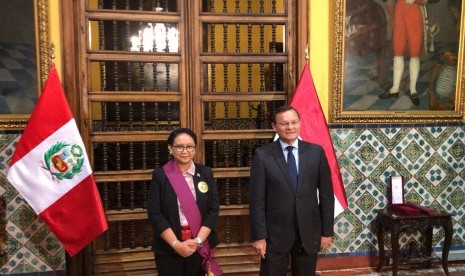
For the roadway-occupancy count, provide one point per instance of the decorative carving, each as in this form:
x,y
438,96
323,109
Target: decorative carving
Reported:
x,y
44,53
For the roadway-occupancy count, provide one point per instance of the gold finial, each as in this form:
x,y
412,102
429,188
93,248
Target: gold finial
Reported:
x,y
52,52
307,51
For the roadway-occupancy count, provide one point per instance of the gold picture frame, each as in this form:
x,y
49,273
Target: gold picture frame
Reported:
x,y
342,96
43,61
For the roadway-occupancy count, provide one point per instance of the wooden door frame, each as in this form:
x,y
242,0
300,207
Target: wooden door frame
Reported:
x,y
72,82
70,29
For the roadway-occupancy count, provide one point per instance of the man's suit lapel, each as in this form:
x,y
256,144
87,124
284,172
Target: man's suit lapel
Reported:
x,y
279,157
303,154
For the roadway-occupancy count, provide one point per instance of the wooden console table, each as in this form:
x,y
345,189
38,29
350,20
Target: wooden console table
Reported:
x,y
395,224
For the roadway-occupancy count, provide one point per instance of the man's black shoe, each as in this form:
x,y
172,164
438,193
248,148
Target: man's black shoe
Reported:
x,y
387,95
415,99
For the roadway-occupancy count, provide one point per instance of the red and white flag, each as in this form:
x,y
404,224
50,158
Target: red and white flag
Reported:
x,y
314,129
51,171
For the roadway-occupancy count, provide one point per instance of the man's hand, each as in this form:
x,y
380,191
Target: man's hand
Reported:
x,y
326,241
260,247
410,2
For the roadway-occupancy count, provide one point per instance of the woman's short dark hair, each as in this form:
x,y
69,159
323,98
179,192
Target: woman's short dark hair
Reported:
x,y
282,109
175,133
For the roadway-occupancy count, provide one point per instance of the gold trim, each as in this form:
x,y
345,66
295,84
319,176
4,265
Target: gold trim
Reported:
x,y
43,57
385,116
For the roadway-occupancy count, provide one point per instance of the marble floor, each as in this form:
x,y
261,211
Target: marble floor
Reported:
x,y
455,269
18,78
362,88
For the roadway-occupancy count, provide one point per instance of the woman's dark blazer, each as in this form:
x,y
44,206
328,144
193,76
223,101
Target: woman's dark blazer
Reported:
x,y
163,207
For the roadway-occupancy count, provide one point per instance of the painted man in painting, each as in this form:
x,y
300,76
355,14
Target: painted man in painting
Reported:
x,y
408,35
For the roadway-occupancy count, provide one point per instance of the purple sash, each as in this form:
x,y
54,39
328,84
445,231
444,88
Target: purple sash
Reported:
x,y
192,213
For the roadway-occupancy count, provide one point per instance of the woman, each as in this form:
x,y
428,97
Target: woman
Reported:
x,y
183,207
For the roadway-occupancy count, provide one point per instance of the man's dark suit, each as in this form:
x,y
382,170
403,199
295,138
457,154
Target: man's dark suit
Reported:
x,y
275,208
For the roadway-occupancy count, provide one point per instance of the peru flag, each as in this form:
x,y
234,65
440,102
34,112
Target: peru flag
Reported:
x,y
50,169
314,129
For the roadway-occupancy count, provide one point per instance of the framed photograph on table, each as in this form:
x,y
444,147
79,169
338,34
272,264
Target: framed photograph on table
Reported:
x,y
24,59
378,77
396,188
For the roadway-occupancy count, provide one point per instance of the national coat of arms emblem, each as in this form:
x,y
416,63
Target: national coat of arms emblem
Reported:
x,y
63,160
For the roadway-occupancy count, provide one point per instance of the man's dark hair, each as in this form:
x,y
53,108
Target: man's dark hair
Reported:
x,y
282,109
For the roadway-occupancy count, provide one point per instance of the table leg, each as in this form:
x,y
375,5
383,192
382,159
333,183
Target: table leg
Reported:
x,y
379,236
395,251
446,246
429,245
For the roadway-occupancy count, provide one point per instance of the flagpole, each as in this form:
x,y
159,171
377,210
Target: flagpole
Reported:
x,y
314,129
64,196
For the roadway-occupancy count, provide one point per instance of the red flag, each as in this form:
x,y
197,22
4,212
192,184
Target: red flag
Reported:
x,y
51,171
315,130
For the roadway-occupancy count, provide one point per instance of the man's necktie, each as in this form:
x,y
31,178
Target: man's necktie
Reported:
x,y
291,166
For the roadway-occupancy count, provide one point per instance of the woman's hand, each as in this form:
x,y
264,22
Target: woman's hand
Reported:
x,y
185,248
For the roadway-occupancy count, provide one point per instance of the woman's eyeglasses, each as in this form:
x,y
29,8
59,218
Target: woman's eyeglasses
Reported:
x,y
181,148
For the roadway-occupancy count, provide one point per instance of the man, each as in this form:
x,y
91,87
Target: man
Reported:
x,y
408,25
288,220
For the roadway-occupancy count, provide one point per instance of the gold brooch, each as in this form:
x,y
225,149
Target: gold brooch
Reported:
x,y
203,186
